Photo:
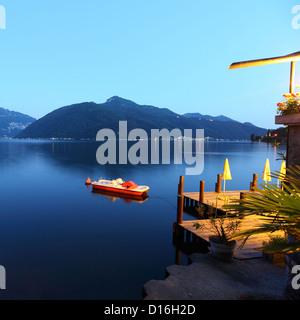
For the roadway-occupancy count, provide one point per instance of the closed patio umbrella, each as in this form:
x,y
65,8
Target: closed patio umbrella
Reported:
x,y
226,172
266,176
282,172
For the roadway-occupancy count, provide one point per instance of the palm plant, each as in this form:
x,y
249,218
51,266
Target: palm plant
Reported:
x,y
278,208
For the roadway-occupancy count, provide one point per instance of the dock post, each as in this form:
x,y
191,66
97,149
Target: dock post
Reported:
x,y
255,176
180,186
201,194
219,184
242,197
180,203
178,257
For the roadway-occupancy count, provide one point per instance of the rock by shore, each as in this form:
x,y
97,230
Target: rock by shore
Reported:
x,y
209,279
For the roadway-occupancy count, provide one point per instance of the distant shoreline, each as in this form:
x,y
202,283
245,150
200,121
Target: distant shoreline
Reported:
x,y
94,140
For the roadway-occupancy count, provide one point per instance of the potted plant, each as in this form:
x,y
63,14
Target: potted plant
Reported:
x,y
222,228
289,110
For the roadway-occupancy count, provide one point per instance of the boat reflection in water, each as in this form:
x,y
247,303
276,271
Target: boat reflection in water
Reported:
x,y
112,196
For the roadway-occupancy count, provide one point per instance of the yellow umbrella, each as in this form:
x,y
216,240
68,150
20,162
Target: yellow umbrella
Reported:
x,y
266,176
282,172
226,172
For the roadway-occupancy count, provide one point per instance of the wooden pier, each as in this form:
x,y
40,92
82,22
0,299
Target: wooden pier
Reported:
x,y
214,199
249,251
186,233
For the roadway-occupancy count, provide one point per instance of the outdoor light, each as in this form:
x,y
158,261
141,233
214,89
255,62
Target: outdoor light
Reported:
x,y
260,62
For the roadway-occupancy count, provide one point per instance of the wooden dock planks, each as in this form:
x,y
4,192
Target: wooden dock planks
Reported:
x,y
253,243
217,200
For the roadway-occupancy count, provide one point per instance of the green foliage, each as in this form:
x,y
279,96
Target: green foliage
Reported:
x,y
282,156
292,177
275,244
278,208
222,226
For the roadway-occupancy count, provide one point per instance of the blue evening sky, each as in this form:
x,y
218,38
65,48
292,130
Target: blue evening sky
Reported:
x,y
167,53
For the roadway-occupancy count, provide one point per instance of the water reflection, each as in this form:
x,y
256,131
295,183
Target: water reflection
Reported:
x,y
113,197
63,241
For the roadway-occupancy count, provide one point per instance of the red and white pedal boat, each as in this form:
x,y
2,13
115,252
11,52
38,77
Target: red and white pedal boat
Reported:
x,y
120,187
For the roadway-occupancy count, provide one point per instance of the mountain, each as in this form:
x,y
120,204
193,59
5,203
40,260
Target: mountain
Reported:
x,y
212,118
84,120
207,117
11,122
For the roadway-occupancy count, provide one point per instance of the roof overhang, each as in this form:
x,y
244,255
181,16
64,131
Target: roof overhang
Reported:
x,y
260,62
292,58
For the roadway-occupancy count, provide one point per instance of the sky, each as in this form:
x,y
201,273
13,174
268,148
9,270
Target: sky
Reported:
x,y
168,53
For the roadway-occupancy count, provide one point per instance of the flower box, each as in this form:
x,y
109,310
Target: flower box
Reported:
x,y
288,119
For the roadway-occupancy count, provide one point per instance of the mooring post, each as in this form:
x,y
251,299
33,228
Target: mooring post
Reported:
x,y
180,186
178,257
201,194
180,202
242,197
219,184
254,183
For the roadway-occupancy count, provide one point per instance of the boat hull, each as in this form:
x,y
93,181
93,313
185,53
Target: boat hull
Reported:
x,y
125,197
120,191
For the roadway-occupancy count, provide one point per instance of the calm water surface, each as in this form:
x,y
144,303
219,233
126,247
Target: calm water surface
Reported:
x,y
58,240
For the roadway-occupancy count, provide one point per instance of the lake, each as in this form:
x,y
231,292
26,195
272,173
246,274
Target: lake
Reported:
x,y
58,240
